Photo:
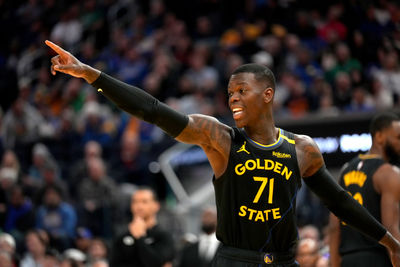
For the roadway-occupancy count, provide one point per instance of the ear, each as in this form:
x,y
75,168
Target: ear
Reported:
x,y
379,137
268,94
156,206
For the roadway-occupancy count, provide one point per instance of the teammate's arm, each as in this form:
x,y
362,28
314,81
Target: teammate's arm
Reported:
x,y
205,131
334,240
321,182
387,182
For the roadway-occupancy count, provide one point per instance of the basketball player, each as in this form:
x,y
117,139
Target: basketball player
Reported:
x,y
257,166
375,184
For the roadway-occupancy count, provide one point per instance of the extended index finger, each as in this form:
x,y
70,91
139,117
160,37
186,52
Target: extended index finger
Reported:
x,y
55,47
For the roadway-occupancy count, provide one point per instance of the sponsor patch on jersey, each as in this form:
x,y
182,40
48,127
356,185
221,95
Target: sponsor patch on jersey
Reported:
x,y
281,155
268,258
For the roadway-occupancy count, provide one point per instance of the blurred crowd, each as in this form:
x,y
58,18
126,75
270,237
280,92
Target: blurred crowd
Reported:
x,y
63,145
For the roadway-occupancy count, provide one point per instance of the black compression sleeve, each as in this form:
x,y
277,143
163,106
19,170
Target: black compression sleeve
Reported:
x,y
343,205
141,104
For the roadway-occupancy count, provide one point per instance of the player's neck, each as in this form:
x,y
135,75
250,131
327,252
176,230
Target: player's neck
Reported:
x,y
263,133
375,150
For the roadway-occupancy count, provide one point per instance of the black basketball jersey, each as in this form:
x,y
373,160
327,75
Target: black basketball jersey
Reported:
x,y
356,178
256,196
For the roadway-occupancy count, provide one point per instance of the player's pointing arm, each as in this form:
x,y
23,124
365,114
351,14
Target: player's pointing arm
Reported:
x,y
201,130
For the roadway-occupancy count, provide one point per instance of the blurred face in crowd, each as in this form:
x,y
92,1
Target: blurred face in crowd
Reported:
x,y
5,259
34,244
307,253
97,250
17,196
144,204
209,221
96,169
92,150
9,159
52,198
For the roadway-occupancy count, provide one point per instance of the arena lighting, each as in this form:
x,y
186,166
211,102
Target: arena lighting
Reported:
x,y
345,143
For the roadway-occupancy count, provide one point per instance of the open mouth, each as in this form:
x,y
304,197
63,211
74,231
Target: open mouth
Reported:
x,y
237,112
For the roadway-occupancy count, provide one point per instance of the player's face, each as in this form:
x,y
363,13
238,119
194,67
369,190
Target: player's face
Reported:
x,y
246,99
392,144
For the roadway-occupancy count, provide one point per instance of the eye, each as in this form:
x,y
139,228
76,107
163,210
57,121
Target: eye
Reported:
x,y
242,90
230,94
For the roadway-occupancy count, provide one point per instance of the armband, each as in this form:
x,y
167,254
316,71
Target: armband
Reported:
x,y
141,104
343,205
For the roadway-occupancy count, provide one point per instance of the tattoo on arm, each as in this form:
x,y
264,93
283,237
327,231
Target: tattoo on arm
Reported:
x,y
203,130
310,158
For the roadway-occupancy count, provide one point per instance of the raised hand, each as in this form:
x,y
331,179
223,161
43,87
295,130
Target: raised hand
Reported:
x,y
137,227
66,63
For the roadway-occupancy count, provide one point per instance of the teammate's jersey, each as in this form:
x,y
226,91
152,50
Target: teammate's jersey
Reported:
x,y
356,178
256,196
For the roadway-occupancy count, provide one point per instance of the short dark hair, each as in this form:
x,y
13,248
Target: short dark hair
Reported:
x,y
261,73
382,121
147,188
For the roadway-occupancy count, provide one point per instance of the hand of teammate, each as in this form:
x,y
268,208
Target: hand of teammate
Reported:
x,y
66,63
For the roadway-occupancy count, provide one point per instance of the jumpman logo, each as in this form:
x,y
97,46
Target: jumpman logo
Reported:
x,y
243,148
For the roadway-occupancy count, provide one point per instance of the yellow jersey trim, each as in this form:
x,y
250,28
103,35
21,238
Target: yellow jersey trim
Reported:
x,y
291,141
369,156
271,145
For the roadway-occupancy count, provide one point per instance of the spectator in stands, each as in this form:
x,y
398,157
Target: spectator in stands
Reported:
x,y
8,245
10,160
389,74
83,238
37,242
342,92
144,243
57,218
6,259
98,251
345,63
361,101
20,128
306,68
307,252
8,178
41,159
50,178
100,263
96,124
202,252
97,199
79,169
20,215
130,165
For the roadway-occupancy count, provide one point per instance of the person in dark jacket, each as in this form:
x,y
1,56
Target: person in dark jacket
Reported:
x,y
144,243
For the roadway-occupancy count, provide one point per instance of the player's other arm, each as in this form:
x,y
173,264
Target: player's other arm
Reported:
x,y
387,183
334,240
321,182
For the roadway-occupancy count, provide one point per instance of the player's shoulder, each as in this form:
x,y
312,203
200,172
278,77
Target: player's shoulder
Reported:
x,y
303,141
387,178
308,154
387,168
